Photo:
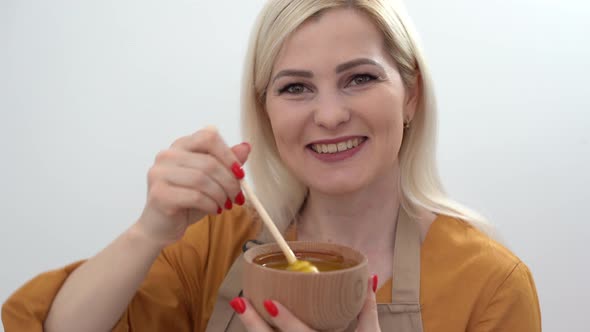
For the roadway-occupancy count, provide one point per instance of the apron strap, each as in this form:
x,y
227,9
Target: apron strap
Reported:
x,y
230,288
406,262
403,314
223,314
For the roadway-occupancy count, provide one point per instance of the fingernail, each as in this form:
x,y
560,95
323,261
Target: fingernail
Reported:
x,y
238,171
248,145
271,308
375,282
238,305
228,204
219,210
240,199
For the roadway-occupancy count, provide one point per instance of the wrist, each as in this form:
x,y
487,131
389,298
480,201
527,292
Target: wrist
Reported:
x,y
138,235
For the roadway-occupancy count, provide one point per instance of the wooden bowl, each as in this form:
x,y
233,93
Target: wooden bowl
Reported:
x,y
326,301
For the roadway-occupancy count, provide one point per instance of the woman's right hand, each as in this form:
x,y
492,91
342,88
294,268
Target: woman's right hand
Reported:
x,y
198,175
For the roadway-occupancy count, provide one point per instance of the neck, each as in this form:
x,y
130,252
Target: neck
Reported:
x,y
365,219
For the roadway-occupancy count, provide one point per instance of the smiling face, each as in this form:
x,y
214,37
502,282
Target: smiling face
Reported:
x,y
337,103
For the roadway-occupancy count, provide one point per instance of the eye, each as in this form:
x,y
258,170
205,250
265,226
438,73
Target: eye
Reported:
x,y
293,89
361,79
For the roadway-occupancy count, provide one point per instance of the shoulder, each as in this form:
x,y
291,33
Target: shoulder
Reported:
x,y
207,251
470,271
460,244
224,232
210,246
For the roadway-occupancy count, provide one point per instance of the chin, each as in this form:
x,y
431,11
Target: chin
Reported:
x,y
335,187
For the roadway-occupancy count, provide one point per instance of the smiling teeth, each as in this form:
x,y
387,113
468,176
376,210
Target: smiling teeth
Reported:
x,y
338,147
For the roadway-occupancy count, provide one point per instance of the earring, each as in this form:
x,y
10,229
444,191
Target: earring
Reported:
x,y
406,125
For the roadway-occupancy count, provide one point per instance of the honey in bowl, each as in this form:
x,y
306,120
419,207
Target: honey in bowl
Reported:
x,y
324,261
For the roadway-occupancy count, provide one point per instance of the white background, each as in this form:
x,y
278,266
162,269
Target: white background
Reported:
x,y
91,91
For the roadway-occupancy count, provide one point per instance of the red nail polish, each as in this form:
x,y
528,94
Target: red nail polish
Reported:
x,y
375,282
238,305
238,171
271,308
219,210
228,204
240,199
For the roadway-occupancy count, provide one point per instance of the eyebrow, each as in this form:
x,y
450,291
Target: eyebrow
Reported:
x,y
340,68
357,62
293,72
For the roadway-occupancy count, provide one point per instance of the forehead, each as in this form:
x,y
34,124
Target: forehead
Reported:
x,y
335,36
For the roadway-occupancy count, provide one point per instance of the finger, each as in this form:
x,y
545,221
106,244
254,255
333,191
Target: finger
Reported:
x,y
242,151
284,319
171,199
248,316
209,141
194,179
208,165
368,318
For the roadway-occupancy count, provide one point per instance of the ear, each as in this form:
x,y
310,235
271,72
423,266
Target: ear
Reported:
x,y
412,99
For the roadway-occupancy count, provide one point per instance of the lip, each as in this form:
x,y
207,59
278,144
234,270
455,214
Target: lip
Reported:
x,y
338,156
335,140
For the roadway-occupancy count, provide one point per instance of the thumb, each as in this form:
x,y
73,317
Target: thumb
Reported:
x,y
368,318
242,151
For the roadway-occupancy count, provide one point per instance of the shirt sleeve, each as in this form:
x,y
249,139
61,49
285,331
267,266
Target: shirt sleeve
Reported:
x,y
514,306
27,308
160,304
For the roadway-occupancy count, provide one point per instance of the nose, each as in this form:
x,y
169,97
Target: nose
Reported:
x,y
331,112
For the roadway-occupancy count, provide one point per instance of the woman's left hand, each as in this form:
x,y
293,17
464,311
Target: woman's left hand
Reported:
x,y
285,321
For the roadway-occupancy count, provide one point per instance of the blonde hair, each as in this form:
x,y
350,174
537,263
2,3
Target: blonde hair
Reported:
x,y
278,189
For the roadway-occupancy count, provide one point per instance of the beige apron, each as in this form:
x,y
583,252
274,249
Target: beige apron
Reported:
x,y
402,315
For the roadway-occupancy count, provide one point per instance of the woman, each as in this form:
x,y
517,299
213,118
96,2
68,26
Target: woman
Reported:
x,y
339,110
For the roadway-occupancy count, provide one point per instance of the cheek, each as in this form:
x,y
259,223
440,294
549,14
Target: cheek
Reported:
x,y
284,122
391,129
387,119
383,109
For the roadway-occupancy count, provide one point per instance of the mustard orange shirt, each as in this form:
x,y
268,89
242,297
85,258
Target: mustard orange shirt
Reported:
x,y
468,282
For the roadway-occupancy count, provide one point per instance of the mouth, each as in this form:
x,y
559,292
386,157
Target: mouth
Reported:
x,y
337,146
